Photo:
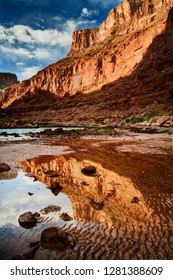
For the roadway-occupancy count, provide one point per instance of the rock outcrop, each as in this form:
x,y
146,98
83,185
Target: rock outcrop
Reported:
x,y
123,62
128,17
7,79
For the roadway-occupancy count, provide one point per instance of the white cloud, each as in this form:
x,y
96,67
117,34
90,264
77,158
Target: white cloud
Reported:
x,y
16,52
22,45
41,53
20,63
25,34
86,13
28,72
57,18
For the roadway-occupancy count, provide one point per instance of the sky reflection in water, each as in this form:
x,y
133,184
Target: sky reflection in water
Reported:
x,y
14,199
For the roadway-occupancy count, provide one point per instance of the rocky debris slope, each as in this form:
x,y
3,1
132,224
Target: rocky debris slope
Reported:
x,y
124,65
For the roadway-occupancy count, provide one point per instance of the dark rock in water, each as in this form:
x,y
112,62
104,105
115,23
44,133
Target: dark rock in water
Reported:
x,y
18,257
55,188
96,204
27,220
58,131
89,170
51,173
55,238
33,244
30,253
4,134
30,193
50,208
15,134
65,217
135,199
36,215
47,131
4,167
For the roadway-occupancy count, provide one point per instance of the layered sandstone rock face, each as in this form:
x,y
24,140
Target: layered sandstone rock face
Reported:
x,y
129,42
7,79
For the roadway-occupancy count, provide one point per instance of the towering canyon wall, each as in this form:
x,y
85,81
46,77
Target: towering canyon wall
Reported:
x,y
102,55
128,17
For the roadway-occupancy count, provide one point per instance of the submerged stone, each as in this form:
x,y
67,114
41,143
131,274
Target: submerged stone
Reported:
x,y
65,217
55,238
27,220
50,208
89,170
4,167
135,199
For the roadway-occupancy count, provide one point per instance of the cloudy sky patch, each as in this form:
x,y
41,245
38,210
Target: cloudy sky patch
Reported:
x,y
34,34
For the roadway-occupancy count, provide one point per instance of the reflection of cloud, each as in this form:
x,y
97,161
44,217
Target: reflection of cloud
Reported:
x,y
14,199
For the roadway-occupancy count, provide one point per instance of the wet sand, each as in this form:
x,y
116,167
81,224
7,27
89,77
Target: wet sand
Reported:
x,y
128,166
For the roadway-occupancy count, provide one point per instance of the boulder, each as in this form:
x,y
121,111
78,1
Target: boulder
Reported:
x,y
58,131
4,134
55,238
15,134
47,131
27,220
4,167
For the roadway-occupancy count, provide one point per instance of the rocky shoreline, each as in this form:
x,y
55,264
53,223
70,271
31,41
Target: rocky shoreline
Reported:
x,y
92,131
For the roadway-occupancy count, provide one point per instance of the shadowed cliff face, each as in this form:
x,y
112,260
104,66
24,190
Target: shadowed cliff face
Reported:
x,y
124,74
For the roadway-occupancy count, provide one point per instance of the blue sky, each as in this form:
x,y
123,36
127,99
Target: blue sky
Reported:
x,y
36,33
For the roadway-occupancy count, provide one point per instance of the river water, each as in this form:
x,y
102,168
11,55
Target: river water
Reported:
x,y
23,133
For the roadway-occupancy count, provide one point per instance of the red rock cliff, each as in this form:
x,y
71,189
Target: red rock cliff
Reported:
x,y
7,79
103,55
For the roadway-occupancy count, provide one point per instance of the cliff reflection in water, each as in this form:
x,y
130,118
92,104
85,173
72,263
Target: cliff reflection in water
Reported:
x,y
103,197
124,209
